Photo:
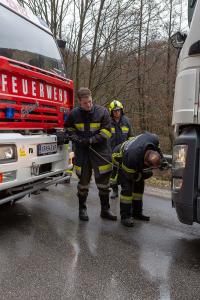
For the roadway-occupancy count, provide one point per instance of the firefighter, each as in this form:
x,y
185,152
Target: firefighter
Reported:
x,y
89,128
132,158
121,130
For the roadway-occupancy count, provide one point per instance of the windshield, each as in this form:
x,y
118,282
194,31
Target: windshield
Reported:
x,y
25,42
191,7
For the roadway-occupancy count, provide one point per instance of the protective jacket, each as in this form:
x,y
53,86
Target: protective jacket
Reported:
x,y
121,131
95,126
130,154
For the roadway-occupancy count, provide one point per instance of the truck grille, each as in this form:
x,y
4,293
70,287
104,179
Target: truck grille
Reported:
x,y
30,115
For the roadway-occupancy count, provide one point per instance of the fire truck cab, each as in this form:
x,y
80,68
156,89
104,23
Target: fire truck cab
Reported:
x,y
35,99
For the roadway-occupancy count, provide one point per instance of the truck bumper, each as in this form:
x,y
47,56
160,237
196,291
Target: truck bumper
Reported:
x,y
27,189
31,171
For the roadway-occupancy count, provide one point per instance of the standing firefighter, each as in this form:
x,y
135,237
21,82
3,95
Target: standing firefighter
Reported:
x,y
89,128
121,130
133,157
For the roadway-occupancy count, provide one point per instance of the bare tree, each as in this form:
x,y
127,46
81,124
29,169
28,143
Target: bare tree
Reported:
x,y
53,12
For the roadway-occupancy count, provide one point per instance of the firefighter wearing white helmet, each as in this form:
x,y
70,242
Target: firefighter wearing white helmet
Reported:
x,y
121,130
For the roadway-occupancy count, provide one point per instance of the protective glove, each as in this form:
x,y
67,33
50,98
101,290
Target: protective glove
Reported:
x,y
83,142
61,137
74,138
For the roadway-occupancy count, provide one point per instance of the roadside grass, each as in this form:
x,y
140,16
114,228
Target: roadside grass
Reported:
x,y
160,179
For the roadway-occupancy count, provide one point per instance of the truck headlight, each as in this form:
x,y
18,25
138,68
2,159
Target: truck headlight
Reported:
x,y
179,156
8,176
8,153
177,184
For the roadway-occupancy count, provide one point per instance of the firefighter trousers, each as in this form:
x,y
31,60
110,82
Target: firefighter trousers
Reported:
x,y
102,171
131,195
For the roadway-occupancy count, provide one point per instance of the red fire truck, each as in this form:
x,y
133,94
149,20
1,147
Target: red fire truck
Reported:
x,y
35,98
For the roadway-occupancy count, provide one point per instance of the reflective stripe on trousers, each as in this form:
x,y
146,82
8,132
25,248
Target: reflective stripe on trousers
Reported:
x,y
126,199
105,169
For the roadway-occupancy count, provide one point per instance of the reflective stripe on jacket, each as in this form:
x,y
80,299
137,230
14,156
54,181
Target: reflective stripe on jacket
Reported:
x,y
130,154
121,131
93,125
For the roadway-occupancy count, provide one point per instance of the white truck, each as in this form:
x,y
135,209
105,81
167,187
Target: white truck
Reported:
x,y
186,121
35,98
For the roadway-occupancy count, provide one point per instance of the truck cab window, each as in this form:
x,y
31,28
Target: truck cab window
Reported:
x,y
26,42
191,7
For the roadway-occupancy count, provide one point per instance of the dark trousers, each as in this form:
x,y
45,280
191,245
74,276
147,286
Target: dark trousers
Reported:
x,y
131,195
102,180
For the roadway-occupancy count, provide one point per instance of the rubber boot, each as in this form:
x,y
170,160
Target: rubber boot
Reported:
x,y
125,212
106,213
137,211
82,208
115,191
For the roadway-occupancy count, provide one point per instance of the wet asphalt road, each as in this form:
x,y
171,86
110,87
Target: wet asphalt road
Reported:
x,y
47,253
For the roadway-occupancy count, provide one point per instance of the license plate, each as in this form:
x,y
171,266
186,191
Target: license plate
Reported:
x,y
47,148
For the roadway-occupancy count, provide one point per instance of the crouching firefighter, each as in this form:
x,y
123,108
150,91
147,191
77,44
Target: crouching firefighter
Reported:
x,y
89,128
134,159
121,130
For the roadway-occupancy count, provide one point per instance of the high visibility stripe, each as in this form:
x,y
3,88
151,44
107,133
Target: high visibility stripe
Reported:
x,y
126,199
115,156
78,170
112,129
122,146
105,133
79,126
126,144
137,196
71,129
81,186
105,169
94,126
128,170
114,180
103,186
125,129
69,171
115,162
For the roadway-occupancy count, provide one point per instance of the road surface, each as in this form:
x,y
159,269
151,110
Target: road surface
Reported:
x,y
47,253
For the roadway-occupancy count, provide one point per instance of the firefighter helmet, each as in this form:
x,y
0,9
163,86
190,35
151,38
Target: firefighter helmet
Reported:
x,y
114,105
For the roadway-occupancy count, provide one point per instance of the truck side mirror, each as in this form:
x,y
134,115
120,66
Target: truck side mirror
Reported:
x,y
61,44
178,39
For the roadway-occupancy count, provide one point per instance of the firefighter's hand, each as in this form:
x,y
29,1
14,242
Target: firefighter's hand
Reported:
x,y
74,138
60,137
164,165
